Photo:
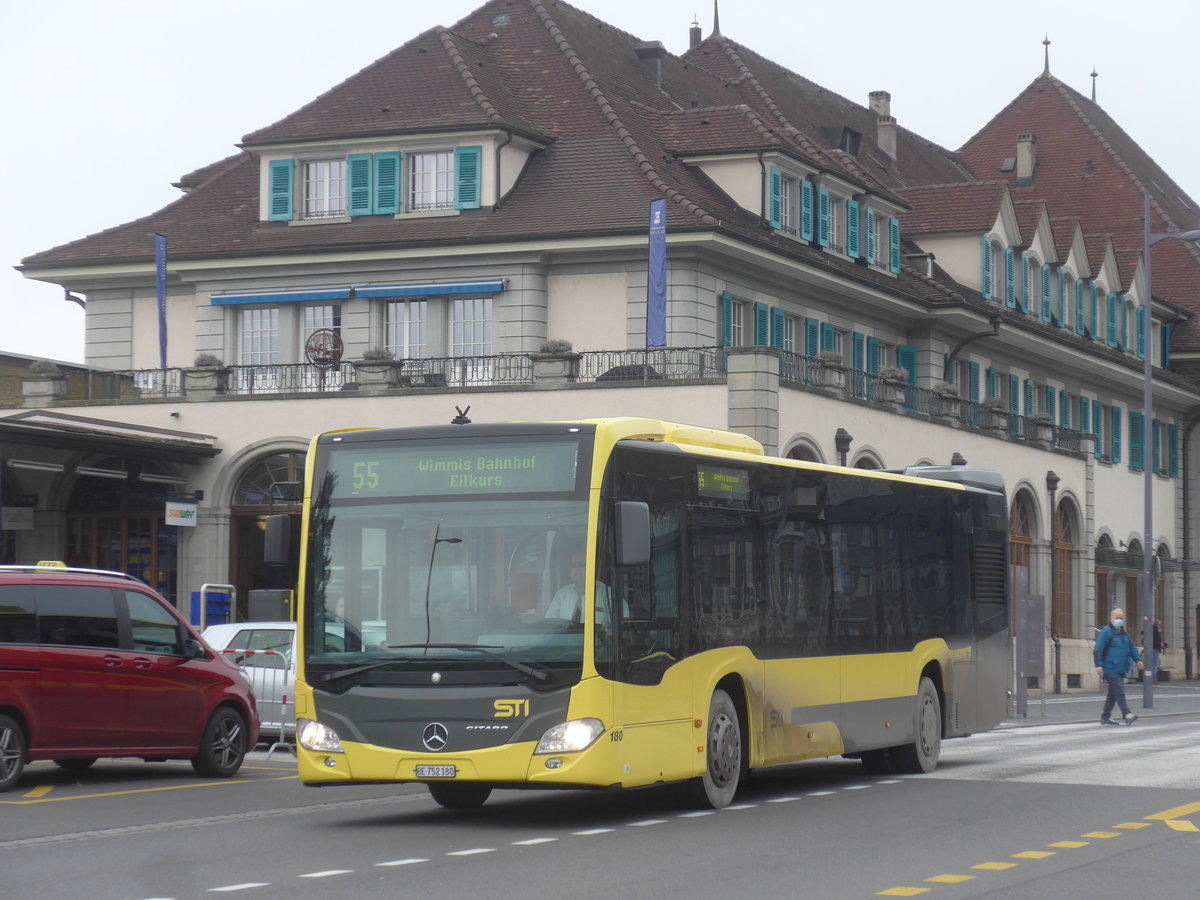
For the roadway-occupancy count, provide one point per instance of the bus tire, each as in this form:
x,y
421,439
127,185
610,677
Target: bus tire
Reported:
x,y
923,753
12,753
722,754
458,795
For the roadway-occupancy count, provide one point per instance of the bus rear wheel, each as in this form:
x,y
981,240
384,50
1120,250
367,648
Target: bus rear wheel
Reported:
x,y
923,753
722,754
461,795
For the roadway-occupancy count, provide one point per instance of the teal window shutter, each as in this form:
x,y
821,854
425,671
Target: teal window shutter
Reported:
x,y
1080,308
822,217
806,210
812,337
873,355
281,197
993,383
1173,450
1014,394
762,325
973,382
1046,311
1164,351
986,252
906,357
869,228
828,336
1010,297
358,184
778,327
1097,430
860,352
1049,405
1156,445
1062,297
1123,319
1094,314
1030,400
1064,409
1141,332
1116,434
1135,441
853,245
467,164
1112,320
894,242
1024,283
1085,407
726,319
387,183
775,203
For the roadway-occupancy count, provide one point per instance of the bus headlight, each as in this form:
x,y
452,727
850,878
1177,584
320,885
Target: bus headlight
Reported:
x,y
571,737
317,737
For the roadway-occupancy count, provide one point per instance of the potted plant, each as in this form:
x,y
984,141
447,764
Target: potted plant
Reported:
x,y
45,383
995,414
831,370
951,400
555,361
1044,428
895,380
378,369
207,375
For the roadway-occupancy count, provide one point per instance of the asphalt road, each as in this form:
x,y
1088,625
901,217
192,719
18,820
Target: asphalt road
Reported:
x,y
1053,811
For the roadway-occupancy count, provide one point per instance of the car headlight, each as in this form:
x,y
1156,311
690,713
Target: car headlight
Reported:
x,y
317,737
571,737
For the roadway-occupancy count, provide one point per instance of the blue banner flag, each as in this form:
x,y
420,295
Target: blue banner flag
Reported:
x,y
160,280
656,277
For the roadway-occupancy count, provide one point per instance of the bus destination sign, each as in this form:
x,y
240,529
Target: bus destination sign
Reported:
x,y
721,483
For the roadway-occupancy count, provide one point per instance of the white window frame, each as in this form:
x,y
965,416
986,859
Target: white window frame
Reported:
x,y
323,188
406,327
432,188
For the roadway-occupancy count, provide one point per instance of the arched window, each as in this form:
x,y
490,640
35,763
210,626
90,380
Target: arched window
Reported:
x,y
1064,574
1020,544
250,504
805,451
1133,593
1104,581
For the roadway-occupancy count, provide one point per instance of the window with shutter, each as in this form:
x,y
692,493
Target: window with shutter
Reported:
x,y
1173,450
775,198
869,227
1115,453
1135,441
1097,430
1156,446
853,248
778,328
874,355
1080,307
894,244
467,162
993,383
281,175
387,184
1064,409
1046,311
806,210
812,337
1164,350
986,254
822,217
1141,332
762,325
726,319
1025,286
359,175
1050,405
1094,313
1010,296
973,382
1030,399
1014,394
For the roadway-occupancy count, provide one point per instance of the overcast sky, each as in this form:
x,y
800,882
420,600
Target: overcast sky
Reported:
x,y
107,103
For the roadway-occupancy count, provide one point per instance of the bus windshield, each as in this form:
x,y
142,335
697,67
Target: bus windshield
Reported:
x,y
441,581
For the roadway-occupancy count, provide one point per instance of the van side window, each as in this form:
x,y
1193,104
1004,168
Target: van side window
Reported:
x,y
77,616
154,629
18,624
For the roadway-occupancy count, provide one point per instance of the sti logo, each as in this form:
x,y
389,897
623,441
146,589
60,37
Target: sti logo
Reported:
x,y
510,709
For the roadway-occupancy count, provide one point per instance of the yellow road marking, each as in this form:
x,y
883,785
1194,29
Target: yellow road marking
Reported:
x,y
40,791
174,787
1103,834
1181,825
1033,854
995,866
1178,812
950,879
902,892
1133,825
1069,845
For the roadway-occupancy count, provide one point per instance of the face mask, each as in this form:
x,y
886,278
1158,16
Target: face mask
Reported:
x,y
1118,623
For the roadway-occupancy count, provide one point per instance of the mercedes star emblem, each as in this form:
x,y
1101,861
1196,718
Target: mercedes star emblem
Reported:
x,y
435,736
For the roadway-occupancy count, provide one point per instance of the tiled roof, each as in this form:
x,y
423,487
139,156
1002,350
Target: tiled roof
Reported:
x,y
949,208
1089,167
713,130
1063,228
1029,216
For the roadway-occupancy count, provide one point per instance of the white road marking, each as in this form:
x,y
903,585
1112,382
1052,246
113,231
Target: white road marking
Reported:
x,y
857,787
782,799
696,815
472,852
593,831
327,873
403,862
230,888
534,841
822,793
742,806
646,822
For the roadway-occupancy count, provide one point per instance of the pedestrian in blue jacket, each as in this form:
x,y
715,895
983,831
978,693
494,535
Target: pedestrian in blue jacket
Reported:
x,y
1114,652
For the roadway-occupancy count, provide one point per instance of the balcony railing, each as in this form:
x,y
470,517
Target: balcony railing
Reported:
x,y
651,365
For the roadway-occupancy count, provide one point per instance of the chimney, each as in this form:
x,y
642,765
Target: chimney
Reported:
x,y
650,56
1026,159
695,35
885,135
880,103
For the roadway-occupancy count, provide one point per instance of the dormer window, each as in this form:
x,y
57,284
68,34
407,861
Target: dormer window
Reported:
x,y
431,177
325,189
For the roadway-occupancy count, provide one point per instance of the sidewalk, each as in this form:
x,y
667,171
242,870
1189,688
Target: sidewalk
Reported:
x,y
1171,698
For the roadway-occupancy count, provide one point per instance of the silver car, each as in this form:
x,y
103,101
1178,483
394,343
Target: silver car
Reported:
x,y
266,651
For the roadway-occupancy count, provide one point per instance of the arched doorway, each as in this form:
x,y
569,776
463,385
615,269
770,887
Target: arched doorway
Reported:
x,y
803,450
1133,598
250,504
1020,547
1064,571
1104,580
115,520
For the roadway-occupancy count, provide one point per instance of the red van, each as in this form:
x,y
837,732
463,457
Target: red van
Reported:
x,y
96,664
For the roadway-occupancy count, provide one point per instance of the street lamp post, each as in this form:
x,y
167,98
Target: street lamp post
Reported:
x,y
1149,240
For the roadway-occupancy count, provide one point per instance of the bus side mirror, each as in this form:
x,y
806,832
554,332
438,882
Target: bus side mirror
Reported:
x,y
277,542
633,533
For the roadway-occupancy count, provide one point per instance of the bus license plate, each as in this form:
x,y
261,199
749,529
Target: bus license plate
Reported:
x,y
436,771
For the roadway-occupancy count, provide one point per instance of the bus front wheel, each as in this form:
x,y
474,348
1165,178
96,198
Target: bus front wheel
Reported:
x,y
923,753
460,795
722,753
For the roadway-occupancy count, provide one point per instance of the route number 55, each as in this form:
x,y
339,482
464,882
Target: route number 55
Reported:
x,y
366,475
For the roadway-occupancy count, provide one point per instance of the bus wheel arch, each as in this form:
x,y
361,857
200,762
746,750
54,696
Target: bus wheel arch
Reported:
x,y
726,759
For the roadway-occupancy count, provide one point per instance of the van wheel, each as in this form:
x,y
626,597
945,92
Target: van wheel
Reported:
x,y
459,796
12,753
223,746
722,754
923,753
76,765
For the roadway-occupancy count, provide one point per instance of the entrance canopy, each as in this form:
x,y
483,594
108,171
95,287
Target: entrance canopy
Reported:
x,y
41,428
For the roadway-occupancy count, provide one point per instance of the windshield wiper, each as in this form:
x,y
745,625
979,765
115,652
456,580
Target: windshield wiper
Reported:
x,y
485,649
358,670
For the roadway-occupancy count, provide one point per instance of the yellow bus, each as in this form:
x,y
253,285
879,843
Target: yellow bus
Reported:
x,y
629,602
